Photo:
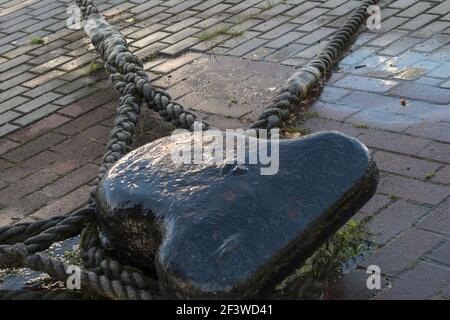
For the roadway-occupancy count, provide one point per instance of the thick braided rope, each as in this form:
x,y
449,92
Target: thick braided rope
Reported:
x,y
22,231
125,67
300,83
67,228
89,280
94,256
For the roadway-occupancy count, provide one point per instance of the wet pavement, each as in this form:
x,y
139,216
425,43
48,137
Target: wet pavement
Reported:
x,y
225,59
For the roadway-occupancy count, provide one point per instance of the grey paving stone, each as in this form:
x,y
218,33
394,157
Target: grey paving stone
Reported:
x,y
180,46
421,283
7,128
16,81
416,9
401,253
394,142
14,62
404,165
442,8
412,189
279,31
8,116
387,38
181,35
38,102
12,92
36,115
12,103
431,29
154,37
396,218
51,64
317,35
365,84
442,254
358,55
438,219
46,87
284,40
422,92
400,45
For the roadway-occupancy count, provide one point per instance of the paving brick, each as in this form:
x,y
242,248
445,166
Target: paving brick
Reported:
x,y
318,124
396,218
71,181
421,283
402,4
421,92
6,145
394,142
34,147
404,165
79,62
433,130
8,116
150,39
279,31
7,128
38,102
40,127
246,47
14,62
26,186
366,84
437,151
76,95
387,38
431,29
89,103
12,103
43,79
412,189
442,8
36,115
416,9
174,64
400,45
284,40
180,46
65,205
401,253
51,64
299,9
443,175
377,202
55,83
316,36
438,220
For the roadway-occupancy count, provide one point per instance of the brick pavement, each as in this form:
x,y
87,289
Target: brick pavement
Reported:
x,y
56,110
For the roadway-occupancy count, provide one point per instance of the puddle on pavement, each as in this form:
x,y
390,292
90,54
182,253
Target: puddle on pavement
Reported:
x,y
23,278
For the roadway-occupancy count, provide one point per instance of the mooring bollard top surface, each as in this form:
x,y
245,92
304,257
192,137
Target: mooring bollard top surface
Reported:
x,y
220,230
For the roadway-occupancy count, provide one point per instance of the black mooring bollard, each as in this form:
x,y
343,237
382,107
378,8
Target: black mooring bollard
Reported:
x,y
226,231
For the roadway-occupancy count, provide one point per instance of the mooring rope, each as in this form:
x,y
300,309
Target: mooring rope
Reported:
x,y
105,275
